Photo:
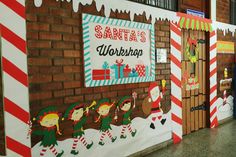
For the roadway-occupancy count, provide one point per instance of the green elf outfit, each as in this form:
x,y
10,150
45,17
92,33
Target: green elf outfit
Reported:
x,y
49,133
126,122
78,133
105,122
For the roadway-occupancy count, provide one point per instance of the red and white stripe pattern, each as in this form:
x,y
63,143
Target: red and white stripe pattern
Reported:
x,y
15,77
213,80
225,97
176,97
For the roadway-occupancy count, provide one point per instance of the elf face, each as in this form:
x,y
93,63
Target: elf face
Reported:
x,y
126,106
49,120
103,110
155,92
77,114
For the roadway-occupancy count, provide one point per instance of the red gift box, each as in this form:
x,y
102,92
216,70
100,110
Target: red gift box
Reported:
x,y
101,74
140,68
126,71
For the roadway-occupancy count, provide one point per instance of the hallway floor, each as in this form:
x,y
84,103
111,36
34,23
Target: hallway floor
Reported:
x,y
219,142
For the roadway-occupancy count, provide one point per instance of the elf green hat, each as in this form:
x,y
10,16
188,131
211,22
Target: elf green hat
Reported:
x,y
101,102
71,109
46,111
123,100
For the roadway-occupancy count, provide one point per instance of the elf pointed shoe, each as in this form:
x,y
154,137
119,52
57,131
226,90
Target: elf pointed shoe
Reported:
x,y
101,143
89,145
60,154
152,126
113,139
74,152
134,133
163,121
123,136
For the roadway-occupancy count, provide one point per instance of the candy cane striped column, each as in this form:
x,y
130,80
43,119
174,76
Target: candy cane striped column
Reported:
x,y
176,98
15,77
213,80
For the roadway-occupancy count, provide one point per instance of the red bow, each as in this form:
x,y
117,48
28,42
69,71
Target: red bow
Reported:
x,y
119,62
192,41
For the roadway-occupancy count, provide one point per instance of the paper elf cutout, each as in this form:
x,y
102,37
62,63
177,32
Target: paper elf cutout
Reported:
x,y
126,107
76,113
192,83
103,108
192,49
155,97
48,118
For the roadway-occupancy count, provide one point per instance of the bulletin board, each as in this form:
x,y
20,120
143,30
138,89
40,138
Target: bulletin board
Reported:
x,y
117,51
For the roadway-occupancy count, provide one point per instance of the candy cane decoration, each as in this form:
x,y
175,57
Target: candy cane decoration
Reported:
x,y
15,77
134,95
225,97
30,129
176,94
213,80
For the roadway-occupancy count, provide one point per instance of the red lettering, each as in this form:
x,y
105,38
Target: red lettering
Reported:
x,y
126,32
117,33
107,33
133,36
98,31
143,37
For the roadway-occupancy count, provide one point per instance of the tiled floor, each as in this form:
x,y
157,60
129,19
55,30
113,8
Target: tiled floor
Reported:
x,y
219,142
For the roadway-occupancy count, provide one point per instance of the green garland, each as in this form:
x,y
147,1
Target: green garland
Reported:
x,y
192,58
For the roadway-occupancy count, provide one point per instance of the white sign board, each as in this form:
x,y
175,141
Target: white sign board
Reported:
x,y
161,55
117,51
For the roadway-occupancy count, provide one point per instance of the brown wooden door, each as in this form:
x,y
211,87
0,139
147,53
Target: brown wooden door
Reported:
x,y
193,80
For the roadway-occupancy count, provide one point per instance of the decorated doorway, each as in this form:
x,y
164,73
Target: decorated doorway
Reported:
x,y
193,82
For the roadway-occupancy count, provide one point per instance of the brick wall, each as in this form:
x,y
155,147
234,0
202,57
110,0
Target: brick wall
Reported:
x,y
223,11
55,63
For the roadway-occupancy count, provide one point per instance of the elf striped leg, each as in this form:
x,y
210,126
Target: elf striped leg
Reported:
x,y
123,132
82,139
101,138
109,134
53,150
130,129
43,151
75,143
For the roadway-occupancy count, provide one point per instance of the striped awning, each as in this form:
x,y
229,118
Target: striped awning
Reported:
x,y
194,22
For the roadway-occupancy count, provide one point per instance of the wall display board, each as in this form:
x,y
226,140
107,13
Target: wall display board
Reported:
x,y
117,51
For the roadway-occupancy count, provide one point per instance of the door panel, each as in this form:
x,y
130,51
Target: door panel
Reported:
x,y
193,80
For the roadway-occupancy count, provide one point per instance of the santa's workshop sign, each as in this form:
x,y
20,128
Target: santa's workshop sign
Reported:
x,y
117,51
